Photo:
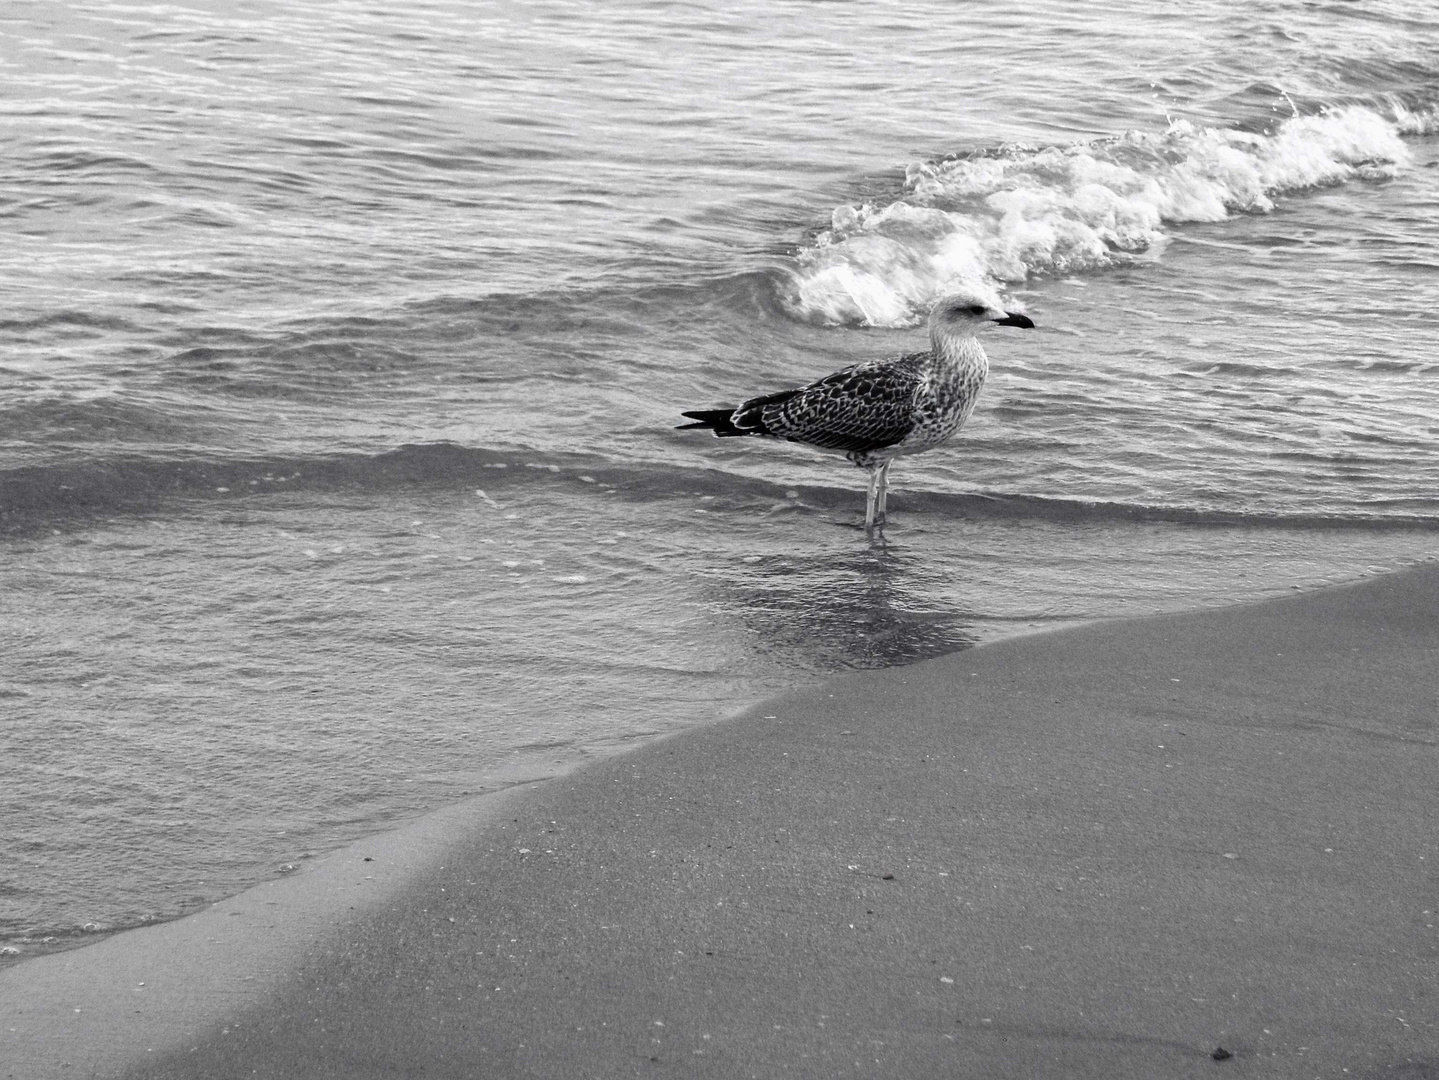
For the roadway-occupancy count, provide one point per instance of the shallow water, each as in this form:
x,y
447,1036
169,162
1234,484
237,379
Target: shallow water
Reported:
x,y
343,348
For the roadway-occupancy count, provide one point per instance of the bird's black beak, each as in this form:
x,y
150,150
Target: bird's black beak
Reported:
x,y
1011,319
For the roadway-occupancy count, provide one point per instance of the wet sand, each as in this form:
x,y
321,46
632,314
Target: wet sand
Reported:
x,y
1109,852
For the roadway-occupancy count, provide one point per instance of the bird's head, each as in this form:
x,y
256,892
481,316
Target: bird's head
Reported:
x,y
972,309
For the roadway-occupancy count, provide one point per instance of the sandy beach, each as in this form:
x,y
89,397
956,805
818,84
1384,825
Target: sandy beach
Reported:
x,y
1200,844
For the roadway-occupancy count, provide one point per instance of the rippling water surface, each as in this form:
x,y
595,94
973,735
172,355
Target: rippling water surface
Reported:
x,y
342,347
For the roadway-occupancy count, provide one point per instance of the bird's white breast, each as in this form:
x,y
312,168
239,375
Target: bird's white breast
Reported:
x,y
947,394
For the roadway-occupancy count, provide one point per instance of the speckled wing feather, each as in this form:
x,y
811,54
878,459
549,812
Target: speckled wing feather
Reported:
x,y
862,408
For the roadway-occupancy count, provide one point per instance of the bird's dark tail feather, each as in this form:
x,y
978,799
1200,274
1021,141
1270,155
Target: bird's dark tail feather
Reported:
x,y
748,419
717,420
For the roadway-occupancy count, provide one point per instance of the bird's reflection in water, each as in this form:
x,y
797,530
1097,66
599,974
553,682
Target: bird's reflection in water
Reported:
x,y
861,608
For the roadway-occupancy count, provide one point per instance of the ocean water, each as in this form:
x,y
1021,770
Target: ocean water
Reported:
x,y
342,346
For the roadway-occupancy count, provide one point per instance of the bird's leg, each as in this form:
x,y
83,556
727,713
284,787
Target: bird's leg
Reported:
x,y
883,490
872,501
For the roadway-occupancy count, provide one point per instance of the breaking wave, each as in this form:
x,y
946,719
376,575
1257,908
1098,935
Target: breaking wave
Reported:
x,y
1001,216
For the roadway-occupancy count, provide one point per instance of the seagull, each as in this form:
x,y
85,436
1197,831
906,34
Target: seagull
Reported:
x,y
879,410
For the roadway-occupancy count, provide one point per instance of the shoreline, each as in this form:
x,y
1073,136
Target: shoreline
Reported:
x,y
243,955
497,780
102,1007
56,926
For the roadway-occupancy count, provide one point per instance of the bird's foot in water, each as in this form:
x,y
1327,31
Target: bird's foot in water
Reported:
x,y
858,525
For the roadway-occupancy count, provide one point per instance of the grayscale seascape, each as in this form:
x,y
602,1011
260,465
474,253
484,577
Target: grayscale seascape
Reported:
x,y
342,347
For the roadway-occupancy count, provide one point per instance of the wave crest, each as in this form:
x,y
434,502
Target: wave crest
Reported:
x,y
1002,216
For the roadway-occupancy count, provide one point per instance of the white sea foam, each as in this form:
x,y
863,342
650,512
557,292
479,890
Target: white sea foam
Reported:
x,y
1423,121
1001,217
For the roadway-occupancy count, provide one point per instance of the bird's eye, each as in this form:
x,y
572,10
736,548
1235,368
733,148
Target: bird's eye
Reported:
x,y
975,309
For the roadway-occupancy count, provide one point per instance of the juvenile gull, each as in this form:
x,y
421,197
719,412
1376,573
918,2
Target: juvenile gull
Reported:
x,y
879,410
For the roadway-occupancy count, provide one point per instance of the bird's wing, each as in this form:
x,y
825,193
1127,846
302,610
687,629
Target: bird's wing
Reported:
x,y
865,407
